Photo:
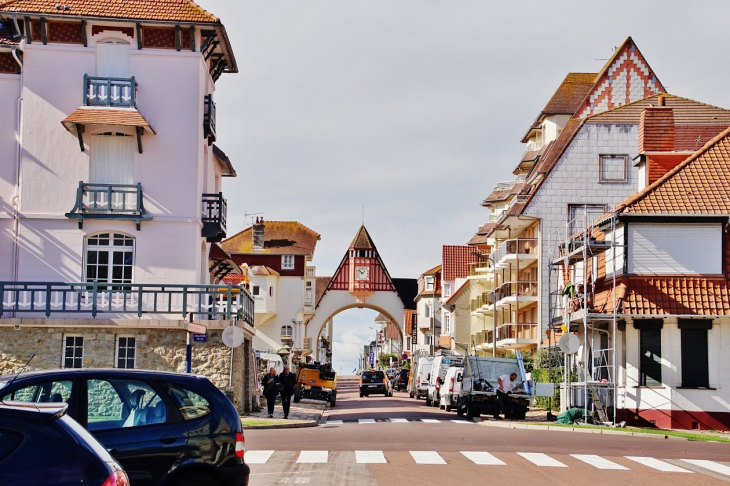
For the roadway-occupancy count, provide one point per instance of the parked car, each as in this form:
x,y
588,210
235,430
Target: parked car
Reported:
x,y
402,379
391,372
163,428
450,389
436,379
40,444
375,382
423,373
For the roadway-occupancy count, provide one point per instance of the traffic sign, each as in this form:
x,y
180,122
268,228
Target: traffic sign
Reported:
x,y
201,338
195,328
233,336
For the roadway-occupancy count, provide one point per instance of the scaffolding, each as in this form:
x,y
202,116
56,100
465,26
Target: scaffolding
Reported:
x,y
587,379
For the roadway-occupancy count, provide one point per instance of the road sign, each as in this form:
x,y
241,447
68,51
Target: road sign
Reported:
x,y
372,358
405,356
233,336
195,328
201,338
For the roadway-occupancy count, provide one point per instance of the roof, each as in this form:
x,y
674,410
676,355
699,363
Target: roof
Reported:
x,y
7,36
123,117
380,318
262,270
217,253
163,10
685,110
280,238
362,240
225,161
570,94
432,271
456,259
408,315
320,286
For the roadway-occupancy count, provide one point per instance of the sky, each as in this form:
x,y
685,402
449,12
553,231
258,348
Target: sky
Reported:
x,y
415,109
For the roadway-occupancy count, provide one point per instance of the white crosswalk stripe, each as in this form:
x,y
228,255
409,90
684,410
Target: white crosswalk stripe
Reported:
x,y
366,421
657,464
462,422
313,457
334,422
599,462
540,459
712,466
399,420
370,457
483,458
258,457
430,421
427,457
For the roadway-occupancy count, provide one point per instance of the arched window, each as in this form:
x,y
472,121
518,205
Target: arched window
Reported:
x,y
286,331
109,258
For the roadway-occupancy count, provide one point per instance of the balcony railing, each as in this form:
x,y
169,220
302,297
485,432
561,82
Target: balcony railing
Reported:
x,y
109,201
519,246
54,298
309,271
209,119
524,331
516,289
215,209
115,92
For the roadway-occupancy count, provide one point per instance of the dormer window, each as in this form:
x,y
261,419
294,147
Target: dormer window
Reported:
x,y
429,283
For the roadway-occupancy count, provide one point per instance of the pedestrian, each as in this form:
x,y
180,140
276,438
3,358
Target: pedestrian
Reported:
x,y
287,380
506,385
269,383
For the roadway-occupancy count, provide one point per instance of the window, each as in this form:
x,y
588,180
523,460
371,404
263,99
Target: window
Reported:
x,y
191,404
695,359
120,403
126,352
255,290
112,162
447,323
49,391
112,59
287,262
675,249
271,291
447,290
429,339
408,343
613,168
582,215
428,310
429,283
73,356
650,364
308,300
109,258
286,331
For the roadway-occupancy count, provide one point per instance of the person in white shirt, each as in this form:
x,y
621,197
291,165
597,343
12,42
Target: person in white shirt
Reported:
x,y
506,384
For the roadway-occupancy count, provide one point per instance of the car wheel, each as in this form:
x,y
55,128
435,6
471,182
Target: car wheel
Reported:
x,y
428,402
196,480
333,400
361,395
447,408
469,410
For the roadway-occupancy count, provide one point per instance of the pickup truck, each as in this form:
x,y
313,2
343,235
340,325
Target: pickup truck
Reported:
x,y
478,394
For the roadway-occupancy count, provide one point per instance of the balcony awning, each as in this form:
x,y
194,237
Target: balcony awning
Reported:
x,y
223,264
120,117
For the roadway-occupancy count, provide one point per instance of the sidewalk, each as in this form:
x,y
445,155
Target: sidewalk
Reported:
x,y
306,413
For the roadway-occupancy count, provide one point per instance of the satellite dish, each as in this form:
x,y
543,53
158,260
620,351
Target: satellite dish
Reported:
x,y
569,343
233,336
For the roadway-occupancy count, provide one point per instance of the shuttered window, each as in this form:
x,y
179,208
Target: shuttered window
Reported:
x,y
112,59
675,249
695,360
112,159
650,365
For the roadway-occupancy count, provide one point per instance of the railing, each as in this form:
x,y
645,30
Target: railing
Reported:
x,y
531,147
116,92
519,246
109,201
476,269
516,289
209,119
96,298
309,271
517,331
215,209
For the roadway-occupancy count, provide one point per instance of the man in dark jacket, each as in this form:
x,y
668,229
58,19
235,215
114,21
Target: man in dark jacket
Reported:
x,y
269,384
288,380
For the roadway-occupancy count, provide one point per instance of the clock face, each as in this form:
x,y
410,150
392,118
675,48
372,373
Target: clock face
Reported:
x,y
362,273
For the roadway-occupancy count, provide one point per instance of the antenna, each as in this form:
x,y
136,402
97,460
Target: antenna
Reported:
x,y
21,370
251,216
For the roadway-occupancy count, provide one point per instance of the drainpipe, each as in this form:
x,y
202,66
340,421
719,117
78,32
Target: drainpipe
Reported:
x,y
16,197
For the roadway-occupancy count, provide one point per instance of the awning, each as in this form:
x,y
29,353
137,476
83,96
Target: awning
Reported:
x,y
445,342
120,117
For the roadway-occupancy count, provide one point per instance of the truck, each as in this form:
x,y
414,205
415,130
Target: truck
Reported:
x,y
440,365
478,394
419,387
316,381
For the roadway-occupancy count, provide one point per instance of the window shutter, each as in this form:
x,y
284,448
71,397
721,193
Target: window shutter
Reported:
x,y
695,369
651,354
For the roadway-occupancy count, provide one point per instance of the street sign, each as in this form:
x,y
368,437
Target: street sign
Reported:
x,y
372,358
200,338
233,336
404,356
195,328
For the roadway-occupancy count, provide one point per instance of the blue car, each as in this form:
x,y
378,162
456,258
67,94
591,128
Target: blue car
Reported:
x,y
165,429
40,444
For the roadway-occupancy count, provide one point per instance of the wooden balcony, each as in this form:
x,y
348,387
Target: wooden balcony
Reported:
x,y
94,298
109,201
111,92
215,209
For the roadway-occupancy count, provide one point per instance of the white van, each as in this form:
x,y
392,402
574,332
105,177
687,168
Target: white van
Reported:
x,y
450,389
420,383
440,365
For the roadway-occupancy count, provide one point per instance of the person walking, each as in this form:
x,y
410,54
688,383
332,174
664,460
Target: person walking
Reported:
x,y
269,383
506,385
287,380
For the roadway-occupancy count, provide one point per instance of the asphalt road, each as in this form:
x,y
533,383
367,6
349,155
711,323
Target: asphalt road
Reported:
x,y
398,447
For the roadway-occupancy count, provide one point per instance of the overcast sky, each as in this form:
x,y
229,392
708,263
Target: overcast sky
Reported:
x,y
415,109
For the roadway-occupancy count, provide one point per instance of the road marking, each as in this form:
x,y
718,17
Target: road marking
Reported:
x,y
483,458
366,421
712,466
598,461
258,457
312,457
399,421
430,421
334,422
462,422
370,457
540,459
427,457
657,464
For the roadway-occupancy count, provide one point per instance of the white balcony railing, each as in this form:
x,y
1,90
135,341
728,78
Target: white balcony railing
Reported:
x,y
310,271
518,247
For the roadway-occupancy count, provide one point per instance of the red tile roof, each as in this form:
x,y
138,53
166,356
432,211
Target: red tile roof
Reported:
x,y
570,94
106,116
163,10
280,238
408,316
217,253
694,137
456,259
7,38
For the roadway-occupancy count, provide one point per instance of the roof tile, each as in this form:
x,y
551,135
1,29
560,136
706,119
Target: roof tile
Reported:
x,y
280,238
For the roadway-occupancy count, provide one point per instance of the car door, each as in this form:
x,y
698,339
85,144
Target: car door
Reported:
x,y
134,421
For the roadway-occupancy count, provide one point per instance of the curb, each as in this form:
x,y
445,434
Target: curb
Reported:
x,y
579,430
300,425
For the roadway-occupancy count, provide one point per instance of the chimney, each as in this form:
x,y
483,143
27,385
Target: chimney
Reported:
x,y
656,129
258,234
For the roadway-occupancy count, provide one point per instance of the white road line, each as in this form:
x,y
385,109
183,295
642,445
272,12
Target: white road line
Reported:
x,y
711,465
399,421
657,464
598,461
258,457
462,422
370,457
427,457
312,457
366,421
334,422
540,459
483,458
430,421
